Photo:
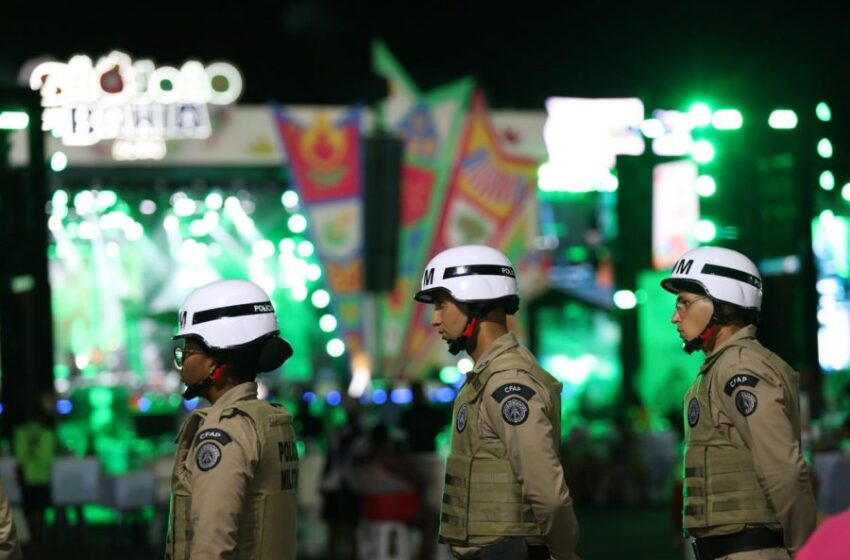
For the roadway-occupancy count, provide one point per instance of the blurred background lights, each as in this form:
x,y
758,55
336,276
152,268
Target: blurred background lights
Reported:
x,y
705,185
58,161
827,180
727,119
320,298
845,192
825,148
700,114
335,347
289,199
305,248
327,323
297,223
702,151
214,201
465,365
625,299
823,112
705,231
782,119
147,207
263,248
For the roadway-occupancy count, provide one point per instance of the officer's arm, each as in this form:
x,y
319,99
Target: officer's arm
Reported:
x,y
756,404
222,463
9,547
518,417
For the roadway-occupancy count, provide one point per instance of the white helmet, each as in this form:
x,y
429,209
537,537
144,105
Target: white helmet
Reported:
x,y
724,275
470,273
227,314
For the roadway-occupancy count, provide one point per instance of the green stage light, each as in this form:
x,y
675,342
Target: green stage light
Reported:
x,y
825,148
727,119
705,231
335,347
652,128
289,199
327,323
845,192
625,299
823,112
827,180
14,120
450,375
58,161
705,185
214,201
702,151
700,114
320,299
297,223
782,119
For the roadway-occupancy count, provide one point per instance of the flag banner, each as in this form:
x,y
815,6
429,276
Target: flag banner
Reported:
x,y
324,158
429,124
490,200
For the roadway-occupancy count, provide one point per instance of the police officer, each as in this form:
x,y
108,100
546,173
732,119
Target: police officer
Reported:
x,y
504,496
236,467
10,548
747,488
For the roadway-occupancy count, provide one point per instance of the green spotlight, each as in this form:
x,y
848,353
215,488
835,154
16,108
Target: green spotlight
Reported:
x,y
625,299
705,231
825,148
827,180
58,161
782,119
702,151
700,114
727,119
823,112
705,185
14,120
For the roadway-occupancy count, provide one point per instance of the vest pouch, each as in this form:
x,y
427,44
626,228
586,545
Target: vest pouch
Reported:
x,y
453,522
180,532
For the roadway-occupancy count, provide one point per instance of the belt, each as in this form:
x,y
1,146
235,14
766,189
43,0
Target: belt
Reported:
x,y
709,548
513,548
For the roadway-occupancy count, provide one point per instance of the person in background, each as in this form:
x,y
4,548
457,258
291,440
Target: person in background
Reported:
x,y
747,490
829,541
505,496
35,447
233,489
421,422
10,549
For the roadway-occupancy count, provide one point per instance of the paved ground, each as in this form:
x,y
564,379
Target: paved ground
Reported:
x,y
627,533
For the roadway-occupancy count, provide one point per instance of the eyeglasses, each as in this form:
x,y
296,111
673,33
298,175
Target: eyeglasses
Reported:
x,y
180,355
682,305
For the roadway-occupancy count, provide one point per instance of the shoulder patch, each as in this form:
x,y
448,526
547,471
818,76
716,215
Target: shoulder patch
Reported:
x,y
738,380
208,456
746,402
213,434
462,415
515,411
511,389
693,412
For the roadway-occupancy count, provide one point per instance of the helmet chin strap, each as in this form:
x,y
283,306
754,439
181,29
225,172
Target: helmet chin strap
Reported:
x,y
198,389
697,342
462,342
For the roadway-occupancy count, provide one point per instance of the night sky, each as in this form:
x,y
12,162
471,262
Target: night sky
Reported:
x,y
317,51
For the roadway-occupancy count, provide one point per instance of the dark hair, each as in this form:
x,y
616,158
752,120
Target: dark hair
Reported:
x,y
732,314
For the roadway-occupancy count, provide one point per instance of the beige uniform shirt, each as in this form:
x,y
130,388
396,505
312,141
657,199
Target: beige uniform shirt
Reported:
x,y
532,449
220,481
765,419
10,548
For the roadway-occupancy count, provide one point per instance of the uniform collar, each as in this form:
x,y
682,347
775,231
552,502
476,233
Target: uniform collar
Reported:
x,y
499,346
747,332
242,392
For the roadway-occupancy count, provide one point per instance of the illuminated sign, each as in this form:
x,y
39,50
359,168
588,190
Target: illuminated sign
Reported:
x,y
132,102
675,211
583,139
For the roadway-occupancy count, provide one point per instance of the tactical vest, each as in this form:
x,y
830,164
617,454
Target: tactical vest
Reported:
x,y
481,495
267,529
721,485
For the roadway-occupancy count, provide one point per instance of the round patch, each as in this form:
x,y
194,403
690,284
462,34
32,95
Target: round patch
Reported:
x,y
746,402
208,456
693,412
515,411
462,414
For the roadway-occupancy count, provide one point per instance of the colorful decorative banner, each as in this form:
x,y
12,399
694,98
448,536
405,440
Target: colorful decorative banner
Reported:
x,y
430,124
491,200
325,162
